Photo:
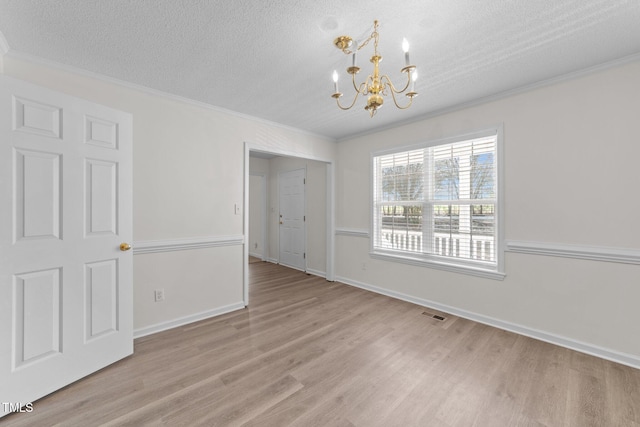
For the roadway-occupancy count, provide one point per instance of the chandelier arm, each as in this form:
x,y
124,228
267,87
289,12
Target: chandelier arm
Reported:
x,y
365,85
393,96
393,88
358,88
355,98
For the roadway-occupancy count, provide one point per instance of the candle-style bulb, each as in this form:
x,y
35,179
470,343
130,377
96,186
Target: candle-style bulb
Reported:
x,y
405,48
335,81
414,77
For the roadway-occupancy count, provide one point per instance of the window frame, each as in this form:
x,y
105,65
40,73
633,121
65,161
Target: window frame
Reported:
x,y
464,266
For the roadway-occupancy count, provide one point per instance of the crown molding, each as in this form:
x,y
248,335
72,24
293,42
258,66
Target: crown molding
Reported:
x,y
155,92
501,95
5,50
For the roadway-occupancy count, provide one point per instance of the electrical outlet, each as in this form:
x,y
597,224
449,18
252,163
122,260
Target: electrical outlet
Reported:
x,y
256,245
158,295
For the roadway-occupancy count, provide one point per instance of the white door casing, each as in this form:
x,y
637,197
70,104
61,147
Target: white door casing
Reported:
x,y
66,300
291,186
257,216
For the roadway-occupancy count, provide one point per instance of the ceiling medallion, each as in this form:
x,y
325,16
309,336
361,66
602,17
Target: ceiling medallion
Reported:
x,y
375,86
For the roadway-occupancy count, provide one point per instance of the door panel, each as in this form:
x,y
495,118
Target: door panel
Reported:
x,y
101,282
66,300
101,197
38,192
37,316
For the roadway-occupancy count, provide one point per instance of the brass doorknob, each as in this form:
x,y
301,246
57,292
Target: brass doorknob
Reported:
x,y
125,246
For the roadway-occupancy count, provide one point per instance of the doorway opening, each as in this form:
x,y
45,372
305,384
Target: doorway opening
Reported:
x,y
317,249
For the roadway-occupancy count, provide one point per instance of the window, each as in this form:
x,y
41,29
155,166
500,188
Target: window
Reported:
x,y
439,204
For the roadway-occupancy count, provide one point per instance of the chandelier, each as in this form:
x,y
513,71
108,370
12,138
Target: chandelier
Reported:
x,y
375,86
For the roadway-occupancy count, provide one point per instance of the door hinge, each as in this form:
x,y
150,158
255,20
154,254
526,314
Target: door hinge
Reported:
x,y
304,218
304,255
304,181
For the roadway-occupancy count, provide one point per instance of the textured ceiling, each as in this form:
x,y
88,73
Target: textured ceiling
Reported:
x,y
273,59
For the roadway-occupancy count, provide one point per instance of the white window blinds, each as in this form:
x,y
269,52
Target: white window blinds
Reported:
x,y
438,201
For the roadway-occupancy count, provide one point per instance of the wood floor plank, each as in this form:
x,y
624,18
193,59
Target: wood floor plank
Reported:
x,y
313,353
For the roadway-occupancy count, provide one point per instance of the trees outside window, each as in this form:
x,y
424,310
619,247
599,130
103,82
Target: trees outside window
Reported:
x,y
438,202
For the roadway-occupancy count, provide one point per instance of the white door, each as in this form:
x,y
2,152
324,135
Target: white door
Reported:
x,y
65,208
292,219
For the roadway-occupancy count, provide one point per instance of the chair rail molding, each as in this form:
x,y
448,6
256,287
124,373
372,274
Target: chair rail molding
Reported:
x,y
354,232
592,253
171,245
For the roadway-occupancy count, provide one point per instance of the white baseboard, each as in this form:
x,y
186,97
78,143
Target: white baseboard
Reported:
x,y
163,326
593,350
255,255
308,270
317,273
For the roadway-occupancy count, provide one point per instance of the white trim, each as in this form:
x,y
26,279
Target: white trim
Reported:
x,y
593,350
501,193
591,253
144,89
245,225
256,255
495,130
457,107
498,96
265,216
163,326
354,232
330,220
317,273
330,244
454,265
156,246
293,267
453,268
279,152
4,46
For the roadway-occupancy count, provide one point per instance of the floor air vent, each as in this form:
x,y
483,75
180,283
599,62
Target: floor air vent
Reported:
x,y
435,316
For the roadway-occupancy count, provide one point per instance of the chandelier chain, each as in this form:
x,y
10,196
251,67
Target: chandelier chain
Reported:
x,y
374,36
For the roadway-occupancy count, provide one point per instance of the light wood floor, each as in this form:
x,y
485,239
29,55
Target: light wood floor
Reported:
x,y
312,353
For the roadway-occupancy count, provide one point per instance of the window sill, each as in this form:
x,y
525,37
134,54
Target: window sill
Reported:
x,y
486,273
